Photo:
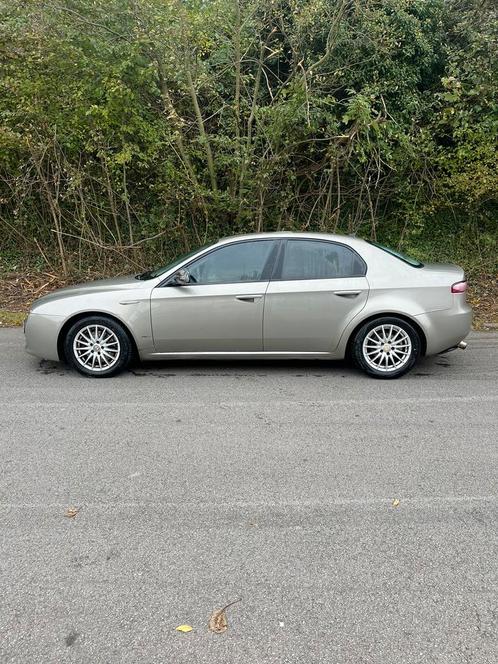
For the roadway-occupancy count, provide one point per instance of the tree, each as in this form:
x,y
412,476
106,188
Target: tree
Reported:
x,y
134,129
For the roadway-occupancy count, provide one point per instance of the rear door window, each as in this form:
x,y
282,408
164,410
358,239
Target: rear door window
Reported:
x,y
316,259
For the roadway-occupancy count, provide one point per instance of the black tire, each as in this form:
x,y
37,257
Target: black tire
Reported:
x,y
121,352
412,349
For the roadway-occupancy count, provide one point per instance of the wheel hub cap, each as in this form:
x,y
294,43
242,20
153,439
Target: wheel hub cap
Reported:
x,y
96,347
387,348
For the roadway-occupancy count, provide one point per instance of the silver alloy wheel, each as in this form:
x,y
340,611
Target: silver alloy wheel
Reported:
x,y
96,347
387,348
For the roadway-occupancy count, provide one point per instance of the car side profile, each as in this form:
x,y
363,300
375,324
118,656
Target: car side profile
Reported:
x,y
270,295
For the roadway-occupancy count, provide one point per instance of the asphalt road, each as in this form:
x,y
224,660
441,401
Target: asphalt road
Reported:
x,y
202,483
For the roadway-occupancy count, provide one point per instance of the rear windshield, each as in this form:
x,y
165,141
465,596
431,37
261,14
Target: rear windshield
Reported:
x,y
397,254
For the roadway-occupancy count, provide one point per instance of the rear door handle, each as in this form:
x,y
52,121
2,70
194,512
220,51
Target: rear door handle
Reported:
x,y
347,293
248,298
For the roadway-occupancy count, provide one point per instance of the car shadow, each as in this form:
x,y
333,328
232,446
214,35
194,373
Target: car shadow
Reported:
x,y
233,368
297,368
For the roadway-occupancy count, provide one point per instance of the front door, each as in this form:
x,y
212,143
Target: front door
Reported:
x,y
317,289
221,309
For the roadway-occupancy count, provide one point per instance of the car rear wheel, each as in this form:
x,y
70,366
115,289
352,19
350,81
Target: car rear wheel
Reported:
x,y
386,347
98,346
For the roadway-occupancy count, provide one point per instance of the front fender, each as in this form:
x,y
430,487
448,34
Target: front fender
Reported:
x,y
129,307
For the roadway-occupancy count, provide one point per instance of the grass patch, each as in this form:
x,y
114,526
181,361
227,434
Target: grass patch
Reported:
x,y
11,318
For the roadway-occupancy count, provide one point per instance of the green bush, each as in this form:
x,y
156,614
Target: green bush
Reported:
x,y
131,130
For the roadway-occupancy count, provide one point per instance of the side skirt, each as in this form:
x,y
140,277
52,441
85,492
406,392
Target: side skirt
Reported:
x,y
235,355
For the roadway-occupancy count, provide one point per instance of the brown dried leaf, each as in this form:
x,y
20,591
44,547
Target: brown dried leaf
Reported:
x,y
71,512
218,621
396,502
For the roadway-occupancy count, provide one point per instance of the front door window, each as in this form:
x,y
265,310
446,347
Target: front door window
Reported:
x,y
236,263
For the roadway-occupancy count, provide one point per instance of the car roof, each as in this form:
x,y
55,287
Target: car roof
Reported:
x,y
346,239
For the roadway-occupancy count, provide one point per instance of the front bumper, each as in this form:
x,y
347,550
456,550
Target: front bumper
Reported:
x,y
41,332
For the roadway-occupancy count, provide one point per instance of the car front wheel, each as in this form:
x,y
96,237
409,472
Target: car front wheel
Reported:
x,y
386,347
98,346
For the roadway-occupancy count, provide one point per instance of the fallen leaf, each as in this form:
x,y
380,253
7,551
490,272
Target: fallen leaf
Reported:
x,y
395,502
71,512
218,621
183,628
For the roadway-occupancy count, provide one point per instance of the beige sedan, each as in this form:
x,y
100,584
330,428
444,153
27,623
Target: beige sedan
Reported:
x,y
272,295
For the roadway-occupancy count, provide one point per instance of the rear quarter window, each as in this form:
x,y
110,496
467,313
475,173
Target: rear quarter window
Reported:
x,y
397,254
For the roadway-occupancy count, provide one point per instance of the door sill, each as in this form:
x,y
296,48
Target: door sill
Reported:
x,y
239,355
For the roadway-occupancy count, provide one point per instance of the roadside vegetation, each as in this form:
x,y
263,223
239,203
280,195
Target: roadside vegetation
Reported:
x,y
134,130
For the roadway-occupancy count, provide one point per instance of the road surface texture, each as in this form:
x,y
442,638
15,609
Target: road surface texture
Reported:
x,y
201,483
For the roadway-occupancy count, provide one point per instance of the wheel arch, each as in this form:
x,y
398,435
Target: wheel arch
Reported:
x,y
385,314
85,314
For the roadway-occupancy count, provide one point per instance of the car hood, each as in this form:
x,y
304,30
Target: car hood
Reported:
x,y
101,285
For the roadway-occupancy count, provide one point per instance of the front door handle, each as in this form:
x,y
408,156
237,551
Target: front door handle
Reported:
x,y
248,298
347,293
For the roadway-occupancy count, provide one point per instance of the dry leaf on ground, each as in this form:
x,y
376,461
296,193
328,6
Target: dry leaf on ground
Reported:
x,y
395,502
71,512
183,628
218,621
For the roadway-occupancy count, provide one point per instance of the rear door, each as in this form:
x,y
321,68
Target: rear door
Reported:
x,y
317,288
221,310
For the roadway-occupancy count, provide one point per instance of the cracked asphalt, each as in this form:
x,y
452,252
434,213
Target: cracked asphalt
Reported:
x,y
201,483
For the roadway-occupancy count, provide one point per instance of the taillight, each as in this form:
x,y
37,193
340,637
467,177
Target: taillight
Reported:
x,y
459,287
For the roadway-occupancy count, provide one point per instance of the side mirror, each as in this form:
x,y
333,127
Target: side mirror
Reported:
x,y
181,278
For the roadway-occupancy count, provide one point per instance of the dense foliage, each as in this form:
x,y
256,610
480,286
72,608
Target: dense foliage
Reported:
x,y
134,129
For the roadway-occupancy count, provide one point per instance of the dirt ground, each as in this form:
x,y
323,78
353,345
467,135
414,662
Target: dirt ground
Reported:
x,y
19,290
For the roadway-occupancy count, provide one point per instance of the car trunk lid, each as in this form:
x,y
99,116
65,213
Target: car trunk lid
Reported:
x,y
452,272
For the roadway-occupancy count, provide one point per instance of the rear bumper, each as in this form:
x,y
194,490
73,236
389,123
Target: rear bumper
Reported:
x,y
445,329
41,332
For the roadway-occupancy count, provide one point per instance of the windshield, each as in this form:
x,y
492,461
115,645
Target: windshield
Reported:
x,y
152,274
397,254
